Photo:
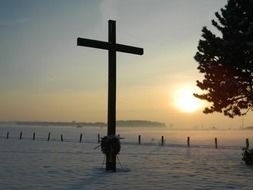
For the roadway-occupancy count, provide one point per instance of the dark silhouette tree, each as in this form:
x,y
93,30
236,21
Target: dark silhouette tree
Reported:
x,y
226,60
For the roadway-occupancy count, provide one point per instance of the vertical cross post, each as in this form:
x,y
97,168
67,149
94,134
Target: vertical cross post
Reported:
x,y
112,80
111,158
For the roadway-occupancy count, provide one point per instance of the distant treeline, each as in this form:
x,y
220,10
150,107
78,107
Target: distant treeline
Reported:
x,y
120,123
139,123
248,128
59,123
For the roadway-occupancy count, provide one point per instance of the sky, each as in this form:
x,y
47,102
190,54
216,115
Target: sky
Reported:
x,y
44,75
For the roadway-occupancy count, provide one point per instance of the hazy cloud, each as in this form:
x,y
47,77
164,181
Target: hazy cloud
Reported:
x,y
109,9
13,22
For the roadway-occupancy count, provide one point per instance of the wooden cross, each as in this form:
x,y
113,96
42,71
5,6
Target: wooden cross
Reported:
x,y
112,48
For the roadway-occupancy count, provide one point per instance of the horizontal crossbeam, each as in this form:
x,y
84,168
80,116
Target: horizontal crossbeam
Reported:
x,y
109,46
129,49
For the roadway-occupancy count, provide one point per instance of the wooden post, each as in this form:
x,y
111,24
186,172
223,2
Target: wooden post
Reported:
x,y
81,136
111,117
139,139
162,141
20,135
216,142
48,137
247,143
188,142
33,135
98,138
61,138
7,136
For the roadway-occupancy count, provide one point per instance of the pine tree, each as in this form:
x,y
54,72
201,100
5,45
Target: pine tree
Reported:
x,y
226,60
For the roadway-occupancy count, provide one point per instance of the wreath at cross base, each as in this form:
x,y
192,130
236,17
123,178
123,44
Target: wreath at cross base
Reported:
x,y
110,145
247,156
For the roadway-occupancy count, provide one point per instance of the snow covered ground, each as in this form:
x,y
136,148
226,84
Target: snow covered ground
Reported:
x,y
28,164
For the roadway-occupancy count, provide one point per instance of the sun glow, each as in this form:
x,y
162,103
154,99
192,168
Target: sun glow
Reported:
x,y
185,101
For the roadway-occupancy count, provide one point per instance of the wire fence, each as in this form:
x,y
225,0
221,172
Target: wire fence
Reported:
x,y
124,141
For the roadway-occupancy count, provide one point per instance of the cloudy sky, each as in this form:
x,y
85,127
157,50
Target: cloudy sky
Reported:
x,y
44,75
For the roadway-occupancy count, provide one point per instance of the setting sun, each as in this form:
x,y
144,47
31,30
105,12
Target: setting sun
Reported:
x,y
185,101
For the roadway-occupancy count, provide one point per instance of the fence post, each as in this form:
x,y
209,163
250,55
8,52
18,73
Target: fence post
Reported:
x,y
98,138
162,141
48,137
188,142
247,143
81,136
61,138
216,142
20,135
139,139
7,136
33,135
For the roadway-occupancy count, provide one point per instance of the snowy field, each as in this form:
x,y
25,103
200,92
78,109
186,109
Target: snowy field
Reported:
x,y
39,164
